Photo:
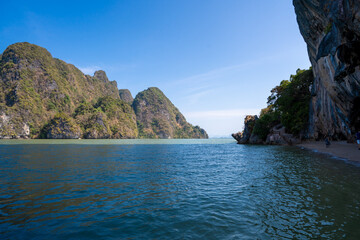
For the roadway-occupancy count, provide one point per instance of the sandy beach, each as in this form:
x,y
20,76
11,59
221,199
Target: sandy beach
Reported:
x,y
340,149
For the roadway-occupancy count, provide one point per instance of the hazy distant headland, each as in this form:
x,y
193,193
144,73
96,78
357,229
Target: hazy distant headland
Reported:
x,y
44,97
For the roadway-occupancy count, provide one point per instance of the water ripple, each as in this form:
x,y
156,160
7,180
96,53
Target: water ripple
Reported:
x,y
175,191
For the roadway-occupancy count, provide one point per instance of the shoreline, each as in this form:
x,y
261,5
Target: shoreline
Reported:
x,y
339,149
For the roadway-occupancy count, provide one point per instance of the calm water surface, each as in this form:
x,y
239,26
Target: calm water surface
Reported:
x,y
184,189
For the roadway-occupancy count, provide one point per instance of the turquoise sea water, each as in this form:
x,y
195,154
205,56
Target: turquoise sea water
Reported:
x,y
174,189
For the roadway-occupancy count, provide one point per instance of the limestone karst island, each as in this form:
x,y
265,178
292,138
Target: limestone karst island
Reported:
x,y
182,119
44,97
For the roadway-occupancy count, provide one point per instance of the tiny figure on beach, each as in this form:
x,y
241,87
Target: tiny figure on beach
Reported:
x,y
327,142
358,139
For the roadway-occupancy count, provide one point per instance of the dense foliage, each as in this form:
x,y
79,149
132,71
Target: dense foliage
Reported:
x,y
35,87
107,118
288,104
157,117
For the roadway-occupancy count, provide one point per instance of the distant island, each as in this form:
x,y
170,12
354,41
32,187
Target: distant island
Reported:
x,y
44,97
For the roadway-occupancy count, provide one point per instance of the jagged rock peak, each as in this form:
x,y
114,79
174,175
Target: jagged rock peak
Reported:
x,y
24,51
101,75
158,118
126,96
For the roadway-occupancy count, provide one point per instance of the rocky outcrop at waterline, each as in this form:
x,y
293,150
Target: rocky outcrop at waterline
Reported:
x,y
247,136
277,135
62,127
331,29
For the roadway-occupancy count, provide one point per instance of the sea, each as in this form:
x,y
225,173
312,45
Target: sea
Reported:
x,y
174,189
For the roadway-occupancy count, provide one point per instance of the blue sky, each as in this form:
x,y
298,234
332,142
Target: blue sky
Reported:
x,y
216,60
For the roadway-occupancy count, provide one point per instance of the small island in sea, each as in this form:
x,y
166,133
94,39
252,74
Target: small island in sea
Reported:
x,y
45,97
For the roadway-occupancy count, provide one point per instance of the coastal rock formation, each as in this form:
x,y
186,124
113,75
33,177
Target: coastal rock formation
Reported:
x,y
278,136
44,97
62,127
120,117
126,96
97,127
247,136
157,117
331,29
237,136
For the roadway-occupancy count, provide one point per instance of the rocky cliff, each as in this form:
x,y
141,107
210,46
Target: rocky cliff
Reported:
x,y
247,136
158,118
35,86
126,96
44,97
277,135
331,29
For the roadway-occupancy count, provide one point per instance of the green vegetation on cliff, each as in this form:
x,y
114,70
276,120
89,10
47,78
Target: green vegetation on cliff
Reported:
x,y
62,126
35,86
288,104
157,117
41,96
120,115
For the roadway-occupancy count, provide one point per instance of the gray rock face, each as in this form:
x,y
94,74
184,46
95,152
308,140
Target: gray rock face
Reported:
x,y
157,117
278,136
331,29
62,127
101,75
247,136
126,96
96,128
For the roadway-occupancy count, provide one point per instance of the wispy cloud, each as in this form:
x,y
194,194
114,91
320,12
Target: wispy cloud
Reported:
x,y
222,113
198,87
212,74
195,96
220,122
89,69
218,73
111,68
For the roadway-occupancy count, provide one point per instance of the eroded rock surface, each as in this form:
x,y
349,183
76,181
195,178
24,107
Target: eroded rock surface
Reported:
x,y
126,96
331,29
62,127
247,136
157,117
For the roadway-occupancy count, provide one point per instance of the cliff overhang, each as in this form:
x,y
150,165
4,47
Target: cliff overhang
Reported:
x,y
331,30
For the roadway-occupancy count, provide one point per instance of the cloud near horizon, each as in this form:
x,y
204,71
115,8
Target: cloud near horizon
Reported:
x,y
90,70
222,113
220,123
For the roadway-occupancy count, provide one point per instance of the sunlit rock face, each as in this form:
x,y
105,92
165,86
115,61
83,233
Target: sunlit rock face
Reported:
x,y
247,136
126,96
331,29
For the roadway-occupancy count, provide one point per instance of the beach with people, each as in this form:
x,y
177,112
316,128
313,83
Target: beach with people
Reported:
x,y
339,149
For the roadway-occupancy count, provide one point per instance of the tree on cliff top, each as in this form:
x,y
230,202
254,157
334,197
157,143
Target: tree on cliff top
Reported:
x,y
288,104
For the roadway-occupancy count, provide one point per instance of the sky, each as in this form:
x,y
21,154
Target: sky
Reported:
x,y
216,60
